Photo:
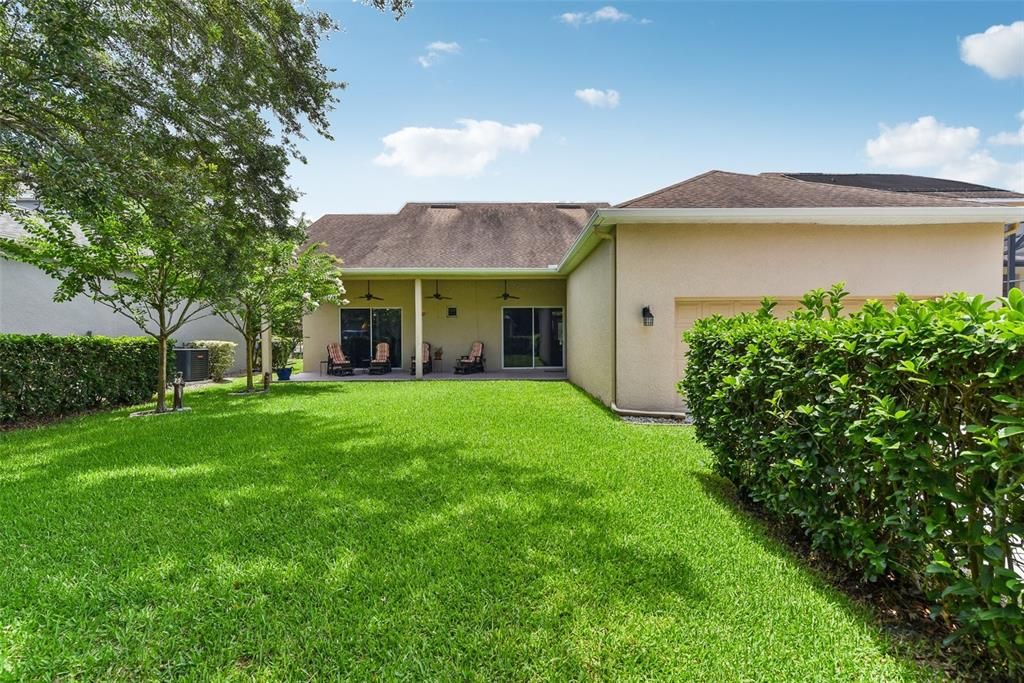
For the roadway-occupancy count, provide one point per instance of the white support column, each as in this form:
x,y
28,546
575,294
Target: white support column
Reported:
x,y
266,350
418,308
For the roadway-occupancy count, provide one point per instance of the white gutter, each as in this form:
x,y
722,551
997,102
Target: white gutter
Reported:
x,y
594,231
451,273
882,215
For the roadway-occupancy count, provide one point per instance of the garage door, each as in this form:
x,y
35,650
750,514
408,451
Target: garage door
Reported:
x,y
688,311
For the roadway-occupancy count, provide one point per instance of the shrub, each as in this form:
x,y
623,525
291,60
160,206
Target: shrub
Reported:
x,y
280,354
894,439
44,376
282,350
222,355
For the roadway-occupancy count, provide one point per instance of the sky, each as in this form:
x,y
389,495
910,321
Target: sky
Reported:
x,y
576,101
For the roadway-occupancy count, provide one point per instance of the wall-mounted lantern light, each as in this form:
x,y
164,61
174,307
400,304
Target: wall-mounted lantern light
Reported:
x,y
648,317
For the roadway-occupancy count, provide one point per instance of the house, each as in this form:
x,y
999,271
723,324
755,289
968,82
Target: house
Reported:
x,y
1013,254
27,305
606,292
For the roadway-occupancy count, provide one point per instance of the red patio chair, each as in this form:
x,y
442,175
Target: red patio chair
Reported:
x,y
428,362
381,362
474,362
337,364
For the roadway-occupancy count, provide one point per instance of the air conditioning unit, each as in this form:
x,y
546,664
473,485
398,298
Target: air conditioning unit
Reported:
x,y
193,364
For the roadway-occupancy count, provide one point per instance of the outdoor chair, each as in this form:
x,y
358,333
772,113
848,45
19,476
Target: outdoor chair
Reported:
x,y
474,362
381,362
337,364
428,362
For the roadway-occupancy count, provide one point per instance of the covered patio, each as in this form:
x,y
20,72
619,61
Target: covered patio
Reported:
x,y
448,375
447,275
520,321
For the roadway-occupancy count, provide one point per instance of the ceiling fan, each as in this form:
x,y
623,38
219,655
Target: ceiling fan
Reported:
x,y
437,294
368,296
505,295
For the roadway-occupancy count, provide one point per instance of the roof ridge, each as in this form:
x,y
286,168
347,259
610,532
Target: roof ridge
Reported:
x,y
626,203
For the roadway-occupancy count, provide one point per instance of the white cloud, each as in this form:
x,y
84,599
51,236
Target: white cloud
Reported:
x,y
982,169
464,151
1010,138
606,14
599,98
609,13
929,146
436,50
999,51
926,142
573,18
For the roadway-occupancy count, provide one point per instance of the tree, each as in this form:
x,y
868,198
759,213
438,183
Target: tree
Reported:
x,y
282,282
161,278
156,134
108,103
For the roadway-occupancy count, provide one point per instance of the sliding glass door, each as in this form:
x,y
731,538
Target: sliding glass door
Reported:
x,y
363,328
533,337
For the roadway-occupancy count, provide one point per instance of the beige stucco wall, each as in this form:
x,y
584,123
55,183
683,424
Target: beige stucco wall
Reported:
x,y
658,264
590,293
479,315
27,307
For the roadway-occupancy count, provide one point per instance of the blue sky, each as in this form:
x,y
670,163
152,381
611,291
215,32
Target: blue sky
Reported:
x,y
750,87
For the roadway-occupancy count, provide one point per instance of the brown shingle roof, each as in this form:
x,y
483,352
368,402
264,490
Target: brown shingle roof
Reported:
x,y
726,190
455,235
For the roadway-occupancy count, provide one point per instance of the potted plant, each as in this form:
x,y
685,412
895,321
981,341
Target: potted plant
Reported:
x,y
282,351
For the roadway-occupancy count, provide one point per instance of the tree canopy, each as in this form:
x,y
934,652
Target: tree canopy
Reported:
x,y
162,103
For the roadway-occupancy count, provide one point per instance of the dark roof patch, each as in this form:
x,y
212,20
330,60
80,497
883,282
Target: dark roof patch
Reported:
x,y
900,182
455,235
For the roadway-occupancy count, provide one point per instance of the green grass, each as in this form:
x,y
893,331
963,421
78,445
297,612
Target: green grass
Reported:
x,y
436,530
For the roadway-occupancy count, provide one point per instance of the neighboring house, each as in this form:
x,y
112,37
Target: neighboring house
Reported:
x,y
585,273
27,306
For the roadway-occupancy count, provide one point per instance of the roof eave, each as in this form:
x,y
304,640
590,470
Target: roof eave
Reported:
x,y
604,220
882,215
451,273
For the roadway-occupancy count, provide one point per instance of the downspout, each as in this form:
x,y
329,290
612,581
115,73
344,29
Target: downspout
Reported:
x,y
615,348
1011,257
646,413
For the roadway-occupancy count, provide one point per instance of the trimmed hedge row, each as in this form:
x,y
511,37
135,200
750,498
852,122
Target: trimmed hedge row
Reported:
x,y
45,376
894,439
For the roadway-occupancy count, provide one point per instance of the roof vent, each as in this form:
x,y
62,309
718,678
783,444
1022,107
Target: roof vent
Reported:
x,y
568,206
443,206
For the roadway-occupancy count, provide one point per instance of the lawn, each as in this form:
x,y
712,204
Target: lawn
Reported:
x,y
435,530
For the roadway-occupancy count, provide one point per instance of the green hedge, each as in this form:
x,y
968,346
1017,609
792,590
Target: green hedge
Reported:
x,y
43,376
222,355
894,439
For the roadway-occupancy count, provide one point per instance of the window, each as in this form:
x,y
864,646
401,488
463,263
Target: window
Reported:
x,y
363,328
533,337
453,312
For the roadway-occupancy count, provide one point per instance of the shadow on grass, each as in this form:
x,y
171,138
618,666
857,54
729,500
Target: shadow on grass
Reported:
x,y
253,533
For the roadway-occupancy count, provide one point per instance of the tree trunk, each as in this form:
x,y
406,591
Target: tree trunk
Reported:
x,y
249,347
161,384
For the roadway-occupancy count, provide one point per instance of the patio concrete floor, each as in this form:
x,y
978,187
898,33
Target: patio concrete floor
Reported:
x,y
399,375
